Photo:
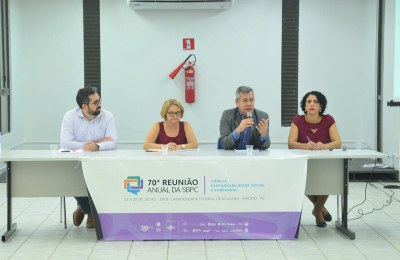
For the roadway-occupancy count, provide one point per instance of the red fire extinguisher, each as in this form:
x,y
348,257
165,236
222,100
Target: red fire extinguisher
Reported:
x,y
189,78
190,94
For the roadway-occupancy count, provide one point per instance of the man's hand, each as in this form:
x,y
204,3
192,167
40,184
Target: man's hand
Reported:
x,y
263,127
90,146
247,122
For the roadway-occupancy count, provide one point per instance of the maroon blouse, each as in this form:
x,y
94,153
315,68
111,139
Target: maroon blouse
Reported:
x,y
163,138
322,133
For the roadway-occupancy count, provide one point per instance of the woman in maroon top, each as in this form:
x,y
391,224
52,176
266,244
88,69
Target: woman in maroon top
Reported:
x,y
176,134
315,131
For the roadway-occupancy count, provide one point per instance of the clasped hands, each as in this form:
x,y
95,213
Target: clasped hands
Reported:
x,y
262,126
314,146
172,146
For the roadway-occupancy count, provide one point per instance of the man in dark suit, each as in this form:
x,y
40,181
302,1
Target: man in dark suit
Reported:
x,y
244,124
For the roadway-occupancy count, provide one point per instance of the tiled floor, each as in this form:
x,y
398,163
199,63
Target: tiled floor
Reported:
x,y
41,236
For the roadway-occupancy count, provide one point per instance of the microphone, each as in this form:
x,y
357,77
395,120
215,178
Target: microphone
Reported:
x,y
249,115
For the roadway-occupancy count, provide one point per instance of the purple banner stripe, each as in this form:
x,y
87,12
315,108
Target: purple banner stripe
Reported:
x,y
179,226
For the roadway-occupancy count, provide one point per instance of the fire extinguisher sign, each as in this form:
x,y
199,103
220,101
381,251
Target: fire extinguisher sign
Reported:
x,y
188,43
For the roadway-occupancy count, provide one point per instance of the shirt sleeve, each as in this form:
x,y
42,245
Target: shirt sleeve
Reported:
x,y
111,131
226,130
263,139
296,120
67,134
329,120
235,135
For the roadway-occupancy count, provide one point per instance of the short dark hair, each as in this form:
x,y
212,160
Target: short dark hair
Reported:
x,y
82,97
320,97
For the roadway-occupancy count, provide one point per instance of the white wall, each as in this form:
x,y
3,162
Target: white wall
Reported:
x,y
233,47
337,56
46,63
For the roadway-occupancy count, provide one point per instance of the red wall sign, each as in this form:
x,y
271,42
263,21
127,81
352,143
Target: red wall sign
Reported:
x,y
188,43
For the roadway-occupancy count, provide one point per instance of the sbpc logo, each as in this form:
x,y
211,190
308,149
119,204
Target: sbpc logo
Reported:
x,y
133,184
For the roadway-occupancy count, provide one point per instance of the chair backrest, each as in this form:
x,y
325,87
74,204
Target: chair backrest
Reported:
x,y
219,143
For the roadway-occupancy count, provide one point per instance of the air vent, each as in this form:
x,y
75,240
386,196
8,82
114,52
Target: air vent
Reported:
x,y
180,4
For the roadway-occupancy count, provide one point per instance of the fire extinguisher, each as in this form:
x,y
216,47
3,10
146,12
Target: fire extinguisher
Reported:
x,y
190,94
189,77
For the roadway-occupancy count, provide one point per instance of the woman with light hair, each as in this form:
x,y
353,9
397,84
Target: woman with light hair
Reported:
x,y
173,132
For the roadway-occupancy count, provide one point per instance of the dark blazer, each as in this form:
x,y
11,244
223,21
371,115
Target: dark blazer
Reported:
x,y
230,120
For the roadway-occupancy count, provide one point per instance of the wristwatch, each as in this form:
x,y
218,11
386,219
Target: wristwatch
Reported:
x,y
183,146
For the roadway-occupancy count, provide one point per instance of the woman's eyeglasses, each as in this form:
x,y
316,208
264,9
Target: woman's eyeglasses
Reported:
x,y
171,114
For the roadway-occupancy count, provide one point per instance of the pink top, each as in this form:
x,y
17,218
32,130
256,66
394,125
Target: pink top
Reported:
x,y
163,138
322,129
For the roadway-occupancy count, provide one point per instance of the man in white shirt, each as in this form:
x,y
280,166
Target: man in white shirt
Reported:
x,y
89,128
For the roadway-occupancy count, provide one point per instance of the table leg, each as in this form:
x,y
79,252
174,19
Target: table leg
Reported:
x,y
10,226
342,225
96,220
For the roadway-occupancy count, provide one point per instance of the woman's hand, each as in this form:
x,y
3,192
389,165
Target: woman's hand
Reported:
x,y
316,146
320,146
311,145
172,146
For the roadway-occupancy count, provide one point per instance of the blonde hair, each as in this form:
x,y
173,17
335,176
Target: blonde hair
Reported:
x,y
167,104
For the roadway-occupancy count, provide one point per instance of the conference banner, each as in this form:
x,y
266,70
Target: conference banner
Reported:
x,y
177,198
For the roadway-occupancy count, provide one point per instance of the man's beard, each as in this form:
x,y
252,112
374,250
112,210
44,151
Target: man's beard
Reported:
x,y
94,112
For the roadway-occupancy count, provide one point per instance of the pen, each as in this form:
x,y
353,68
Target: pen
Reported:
x,y
151,151
65,151
308,139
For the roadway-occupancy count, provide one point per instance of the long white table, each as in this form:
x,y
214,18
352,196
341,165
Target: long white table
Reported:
x,y
60,174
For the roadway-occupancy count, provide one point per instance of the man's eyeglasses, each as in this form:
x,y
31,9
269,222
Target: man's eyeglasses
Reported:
x,y
179,113
251,100
96,103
